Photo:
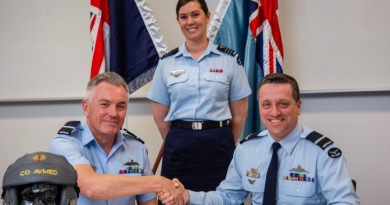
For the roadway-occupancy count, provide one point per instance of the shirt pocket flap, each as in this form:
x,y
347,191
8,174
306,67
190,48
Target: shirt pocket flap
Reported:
x,y
253,184
216,77
299,188
171,80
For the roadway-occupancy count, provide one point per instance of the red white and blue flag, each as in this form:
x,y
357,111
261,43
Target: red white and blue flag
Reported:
x,y
132,43
100,33
264,26
251,28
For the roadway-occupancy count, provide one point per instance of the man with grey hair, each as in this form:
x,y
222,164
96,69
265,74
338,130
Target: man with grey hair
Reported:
x,y
109,163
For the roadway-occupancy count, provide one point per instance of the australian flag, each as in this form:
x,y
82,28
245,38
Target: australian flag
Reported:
x,y
251,28
135,43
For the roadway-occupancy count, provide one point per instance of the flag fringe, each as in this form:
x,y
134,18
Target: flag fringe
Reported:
x,y
141,80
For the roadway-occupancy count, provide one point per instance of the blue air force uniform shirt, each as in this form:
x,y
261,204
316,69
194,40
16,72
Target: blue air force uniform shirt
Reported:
x,y
82,148
307,173
199,90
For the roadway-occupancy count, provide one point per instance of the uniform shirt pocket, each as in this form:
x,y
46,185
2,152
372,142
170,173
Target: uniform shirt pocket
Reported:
x,y
298,188
177,86
255,186
217,85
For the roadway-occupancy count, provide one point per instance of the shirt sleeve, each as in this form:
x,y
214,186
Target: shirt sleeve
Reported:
x,y
70,149
239,86
334,179
159,91
147,172
229,192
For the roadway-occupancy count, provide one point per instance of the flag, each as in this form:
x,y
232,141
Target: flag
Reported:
x,y
99,29
251,28
135,42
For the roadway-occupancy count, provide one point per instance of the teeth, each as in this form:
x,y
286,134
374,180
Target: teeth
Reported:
x,y
276,120
191,29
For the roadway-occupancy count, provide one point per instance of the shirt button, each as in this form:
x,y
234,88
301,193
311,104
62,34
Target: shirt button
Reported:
x,y
298,190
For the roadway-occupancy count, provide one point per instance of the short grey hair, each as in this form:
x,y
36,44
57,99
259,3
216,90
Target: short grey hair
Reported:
x,y
108,77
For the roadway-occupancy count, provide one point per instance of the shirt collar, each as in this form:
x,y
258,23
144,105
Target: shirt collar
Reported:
x,y
288,143
88,136
211,48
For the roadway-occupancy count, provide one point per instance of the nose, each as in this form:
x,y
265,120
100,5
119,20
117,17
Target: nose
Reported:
x,y
275,111
112,112
190,21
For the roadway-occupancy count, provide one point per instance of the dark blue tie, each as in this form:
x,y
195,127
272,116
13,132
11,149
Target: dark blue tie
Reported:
x,y
269,197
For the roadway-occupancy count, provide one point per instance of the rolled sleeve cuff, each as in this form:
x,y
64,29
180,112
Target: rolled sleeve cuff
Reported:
x,y
240,96
205,198
158,99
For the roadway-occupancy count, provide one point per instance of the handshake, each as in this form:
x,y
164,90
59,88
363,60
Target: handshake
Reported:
x,y
174,193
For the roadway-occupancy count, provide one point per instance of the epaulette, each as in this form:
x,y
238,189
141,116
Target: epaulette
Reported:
x,y
319,139
68,128
249,137
226,50
129,134
172,52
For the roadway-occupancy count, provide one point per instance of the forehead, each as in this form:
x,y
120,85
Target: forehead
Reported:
x,y
109,92
189,7
271,91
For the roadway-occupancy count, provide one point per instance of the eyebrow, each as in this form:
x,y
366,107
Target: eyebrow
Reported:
x,y
181,14
105,100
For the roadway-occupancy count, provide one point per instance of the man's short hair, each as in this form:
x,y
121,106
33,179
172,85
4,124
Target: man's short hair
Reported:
x,y
107,77
280,78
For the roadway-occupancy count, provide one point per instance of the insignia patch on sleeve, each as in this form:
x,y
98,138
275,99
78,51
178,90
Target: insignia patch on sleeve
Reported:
x,y
334,152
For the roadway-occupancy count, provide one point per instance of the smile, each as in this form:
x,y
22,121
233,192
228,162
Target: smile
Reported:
x,y
275,121
192,29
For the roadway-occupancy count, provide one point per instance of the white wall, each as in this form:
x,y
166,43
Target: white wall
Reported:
x,y
53,36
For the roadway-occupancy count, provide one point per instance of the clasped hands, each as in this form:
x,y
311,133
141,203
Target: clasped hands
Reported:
x,y
176,196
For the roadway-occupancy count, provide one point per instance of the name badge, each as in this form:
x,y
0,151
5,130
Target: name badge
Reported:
x,y
176,73
252,174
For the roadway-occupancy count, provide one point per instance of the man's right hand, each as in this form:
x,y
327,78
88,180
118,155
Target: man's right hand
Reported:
x,y
181,199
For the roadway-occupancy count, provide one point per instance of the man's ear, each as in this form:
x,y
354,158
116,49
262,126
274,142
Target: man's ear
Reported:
x,y
85,105
299,107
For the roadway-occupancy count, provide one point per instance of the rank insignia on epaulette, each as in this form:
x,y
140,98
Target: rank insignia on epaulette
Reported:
x,y
172,52
226,50
319,139
239,61
128,133
249,137
68,127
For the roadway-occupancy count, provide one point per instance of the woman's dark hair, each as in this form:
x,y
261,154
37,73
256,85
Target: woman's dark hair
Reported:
x,y
181,3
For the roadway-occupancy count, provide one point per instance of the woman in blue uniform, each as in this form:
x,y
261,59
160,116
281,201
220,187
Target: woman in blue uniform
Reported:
x,y
199,103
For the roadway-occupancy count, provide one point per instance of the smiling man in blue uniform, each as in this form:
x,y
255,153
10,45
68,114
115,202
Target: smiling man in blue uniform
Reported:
x,y
112,167
286,164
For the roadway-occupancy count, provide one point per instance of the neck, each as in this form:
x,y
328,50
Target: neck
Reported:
x,y
196,49
106,142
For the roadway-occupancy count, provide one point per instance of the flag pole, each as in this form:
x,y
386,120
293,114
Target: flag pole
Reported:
x,y
158,159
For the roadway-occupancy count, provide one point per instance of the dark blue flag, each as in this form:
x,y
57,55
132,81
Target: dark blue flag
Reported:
x,y
135,42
